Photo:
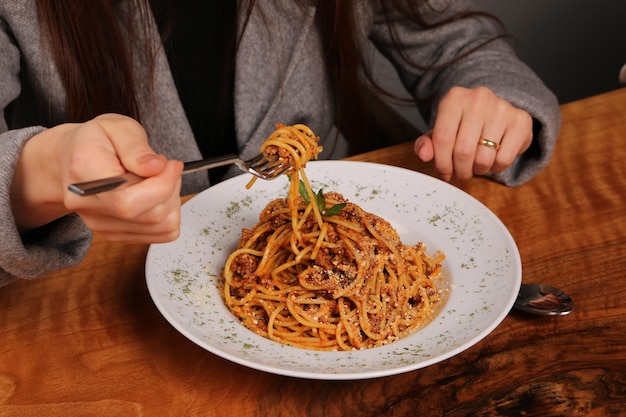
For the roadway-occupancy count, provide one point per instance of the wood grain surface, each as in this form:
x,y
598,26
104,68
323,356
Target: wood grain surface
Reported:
x,y
88,341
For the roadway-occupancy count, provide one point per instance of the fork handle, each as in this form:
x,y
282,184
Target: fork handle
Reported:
x,y
208,163
106,184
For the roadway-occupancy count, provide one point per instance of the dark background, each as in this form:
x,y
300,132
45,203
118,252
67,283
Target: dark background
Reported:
x,y
576,46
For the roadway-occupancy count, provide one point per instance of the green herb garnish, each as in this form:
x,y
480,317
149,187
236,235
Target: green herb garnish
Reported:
x,y
320,201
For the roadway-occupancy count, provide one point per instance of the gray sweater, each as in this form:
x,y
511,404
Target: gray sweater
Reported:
x,y
279,78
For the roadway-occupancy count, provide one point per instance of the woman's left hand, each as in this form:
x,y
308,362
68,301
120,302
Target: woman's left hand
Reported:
x,y
475,133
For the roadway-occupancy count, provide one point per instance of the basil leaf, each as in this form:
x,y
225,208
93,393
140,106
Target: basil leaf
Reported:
x,y
303,193
320,200
334,210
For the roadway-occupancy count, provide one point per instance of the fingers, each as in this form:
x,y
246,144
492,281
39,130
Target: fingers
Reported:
x,y
515,141
444,136
160,224
464,117
108,145
146,212
492,130
423,147
130,142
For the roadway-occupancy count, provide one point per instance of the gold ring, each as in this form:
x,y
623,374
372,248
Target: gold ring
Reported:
x,y
489,143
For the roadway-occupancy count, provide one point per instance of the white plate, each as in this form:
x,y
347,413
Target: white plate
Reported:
x,y
482,265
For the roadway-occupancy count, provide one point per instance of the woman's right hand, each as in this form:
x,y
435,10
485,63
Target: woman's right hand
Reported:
x,y
146,212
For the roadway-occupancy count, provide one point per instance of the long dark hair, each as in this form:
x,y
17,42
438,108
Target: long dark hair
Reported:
x,y
94,59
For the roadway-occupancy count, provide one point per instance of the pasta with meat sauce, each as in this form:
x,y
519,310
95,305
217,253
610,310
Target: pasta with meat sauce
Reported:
x,y
318,272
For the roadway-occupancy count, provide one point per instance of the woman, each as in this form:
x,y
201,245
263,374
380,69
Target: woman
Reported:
x,y
91,89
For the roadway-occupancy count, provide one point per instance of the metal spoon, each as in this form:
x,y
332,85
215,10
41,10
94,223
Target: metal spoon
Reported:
x,y
544,300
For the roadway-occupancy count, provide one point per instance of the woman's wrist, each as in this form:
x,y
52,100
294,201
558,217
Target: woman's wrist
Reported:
x,y
37,188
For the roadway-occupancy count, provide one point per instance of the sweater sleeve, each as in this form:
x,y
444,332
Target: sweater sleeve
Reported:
x,y
493,65
58,245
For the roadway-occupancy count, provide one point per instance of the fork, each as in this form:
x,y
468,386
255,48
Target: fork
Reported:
x,y
261,166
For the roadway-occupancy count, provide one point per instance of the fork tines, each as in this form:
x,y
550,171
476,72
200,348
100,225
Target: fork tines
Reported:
x,y
266,167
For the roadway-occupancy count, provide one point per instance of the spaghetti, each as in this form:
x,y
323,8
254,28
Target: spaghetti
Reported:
x,y
319,272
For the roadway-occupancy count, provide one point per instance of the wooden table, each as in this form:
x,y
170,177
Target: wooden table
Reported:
x,y
89,342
